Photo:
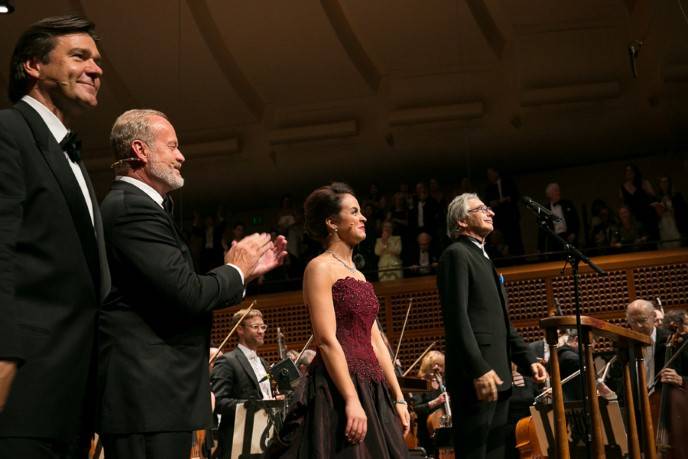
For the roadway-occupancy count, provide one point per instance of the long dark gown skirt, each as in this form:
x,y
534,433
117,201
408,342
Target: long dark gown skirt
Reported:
x,y
314,425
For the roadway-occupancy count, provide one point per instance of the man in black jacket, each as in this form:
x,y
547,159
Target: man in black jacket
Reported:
x,y
239,375
480,341
154,329
53,268
567,227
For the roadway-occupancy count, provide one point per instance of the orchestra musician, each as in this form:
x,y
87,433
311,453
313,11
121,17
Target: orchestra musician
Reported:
x,y
240,375
676,398
154,329
640,315
426,403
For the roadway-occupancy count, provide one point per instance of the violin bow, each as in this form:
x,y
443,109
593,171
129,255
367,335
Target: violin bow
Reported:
x,y
427,349
304,347
231,332
403,329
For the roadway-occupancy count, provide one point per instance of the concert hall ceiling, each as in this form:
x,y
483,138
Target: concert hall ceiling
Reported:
x,y
269,96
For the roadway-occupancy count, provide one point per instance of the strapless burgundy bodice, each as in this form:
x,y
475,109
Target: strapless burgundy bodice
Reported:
x,y
356,307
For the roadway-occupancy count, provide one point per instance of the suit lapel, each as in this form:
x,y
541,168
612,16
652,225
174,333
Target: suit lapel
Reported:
x,y
56,161
478,253
181,243
248,369
180,238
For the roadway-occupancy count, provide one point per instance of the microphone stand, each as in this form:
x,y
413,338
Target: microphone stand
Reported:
x,y
573,258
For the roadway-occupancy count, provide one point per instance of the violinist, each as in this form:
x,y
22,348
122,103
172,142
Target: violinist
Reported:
x,y
426,404
239,375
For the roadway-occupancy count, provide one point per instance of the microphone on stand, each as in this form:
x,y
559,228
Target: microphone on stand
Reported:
x,y
539,209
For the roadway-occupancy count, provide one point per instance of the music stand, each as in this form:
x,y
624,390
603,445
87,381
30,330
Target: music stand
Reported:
x,y
255,423
614,431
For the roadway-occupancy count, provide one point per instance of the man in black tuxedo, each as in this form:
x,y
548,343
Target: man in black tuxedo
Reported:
x,y
53,268
567,227
154,331
423,257
480,341
239,375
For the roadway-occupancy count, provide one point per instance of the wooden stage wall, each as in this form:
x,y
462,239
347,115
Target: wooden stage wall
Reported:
x,y
531,290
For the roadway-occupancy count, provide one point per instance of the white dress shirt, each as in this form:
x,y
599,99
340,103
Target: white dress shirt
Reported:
x,y
59,131
649,358
258,369
155,196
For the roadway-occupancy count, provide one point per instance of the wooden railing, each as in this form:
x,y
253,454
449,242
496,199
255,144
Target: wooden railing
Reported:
x,y
531,290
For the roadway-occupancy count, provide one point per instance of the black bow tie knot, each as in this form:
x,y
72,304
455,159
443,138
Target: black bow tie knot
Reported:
x,y
72,146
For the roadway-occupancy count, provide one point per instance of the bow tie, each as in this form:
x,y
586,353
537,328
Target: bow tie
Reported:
x,y
168,204
72,146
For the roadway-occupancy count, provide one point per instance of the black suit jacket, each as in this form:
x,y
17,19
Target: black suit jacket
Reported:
x,y
546,243
154,330
53,277
233,381
478,334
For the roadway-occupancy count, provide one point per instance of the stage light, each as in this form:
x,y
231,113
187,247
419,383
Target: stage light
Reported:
x,y
6,7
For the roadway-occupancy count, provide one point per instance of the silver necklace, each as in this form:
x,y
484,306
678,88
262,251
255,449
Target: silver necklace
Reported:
x,y
336,257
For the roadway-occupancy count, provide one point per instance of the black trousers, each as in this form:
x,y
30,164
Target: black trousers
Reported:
x,y
481,429
158,445
40,448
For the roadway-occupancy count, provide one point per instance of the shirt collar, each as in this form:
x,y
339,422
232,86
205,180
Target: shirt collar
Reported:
x,y
55,126
149,190
249,353
480,245
653,336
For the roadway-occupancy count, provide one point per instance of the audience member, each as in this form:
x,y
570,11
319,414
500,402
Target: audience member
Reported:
x,y
286,215
502,196
426,212
673,215
436,193
638,196
496,246
399,215
424,257
388,248
602,226
567,227
628,234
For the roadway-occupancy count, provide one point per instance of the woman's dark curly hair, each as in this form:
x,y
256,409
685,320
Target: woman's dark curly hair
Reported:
x,y
321,204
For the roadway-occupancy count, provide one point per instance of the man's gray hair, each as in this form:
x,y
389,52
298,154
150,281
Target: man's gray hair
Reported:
x,y
129,126
458,210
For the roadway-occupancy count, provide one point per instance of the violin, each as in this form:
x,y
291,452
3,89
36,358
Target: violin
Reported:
x,y
439,422
441,417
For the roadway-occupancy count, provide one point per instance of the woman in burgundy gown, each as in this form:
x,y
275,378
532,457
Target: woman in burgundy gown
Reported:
x,y
350,405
